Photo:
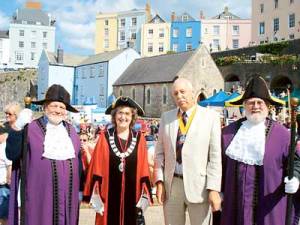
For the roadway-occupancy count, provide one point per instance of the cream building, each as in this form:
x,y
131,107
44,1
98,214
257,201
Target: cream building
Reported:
x,y
106,35
155,37
225,31
120,30
274,20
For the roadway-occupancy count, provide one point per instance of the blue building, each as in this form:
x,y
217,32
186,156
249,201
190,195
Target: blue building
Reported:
x,y
185,33
95,75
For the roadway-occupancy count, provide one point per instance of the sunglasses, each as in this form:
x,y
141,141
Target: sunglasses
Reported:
x,y
9,114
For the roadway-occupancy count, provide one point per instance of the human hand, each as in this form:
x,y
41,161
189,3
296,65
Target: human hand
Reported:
x,y
160,192
292,185
214,200
24,117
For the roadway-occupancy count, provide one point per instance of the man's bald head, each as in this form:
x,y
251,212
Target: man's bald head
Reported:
x,y
183,93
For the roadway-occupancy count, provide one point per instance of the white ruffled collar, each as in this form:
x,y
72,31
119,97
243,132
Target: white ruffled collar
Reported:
x,y
58,145
248,145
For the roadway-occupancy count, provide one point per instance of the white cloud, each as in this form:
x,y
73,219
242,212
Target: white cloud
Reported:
x,y
4,21
76,18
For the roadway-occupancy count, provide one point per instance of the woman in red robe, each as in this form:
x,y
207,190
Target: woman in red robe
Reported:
x,y
118,182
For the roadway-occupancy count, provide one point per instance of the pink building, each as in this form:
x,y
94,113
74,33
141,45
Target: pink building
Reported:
x,y
225,31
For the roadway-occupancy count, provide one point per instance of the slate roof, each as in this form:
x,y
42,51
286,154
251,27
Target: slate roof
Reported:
x,y
156,69
157,18
4,34
101,57
31,16
181,17
68,59
226,14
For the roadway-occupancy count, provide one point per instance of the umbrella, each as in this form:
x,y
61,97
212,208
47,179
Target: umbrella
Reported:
x,y
216,100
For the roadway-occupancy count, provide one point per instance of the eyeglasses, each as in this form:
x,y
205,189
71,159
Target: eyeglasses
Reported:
x,y
9,114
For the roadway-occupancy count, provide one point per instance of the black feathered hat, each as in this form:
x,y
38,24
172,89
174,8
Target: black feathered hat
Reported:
x,y
125,101
57,93
256,88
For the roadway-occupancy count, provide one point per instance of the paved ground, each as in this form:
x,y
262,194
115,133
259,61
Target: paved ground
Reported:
x,y
153,216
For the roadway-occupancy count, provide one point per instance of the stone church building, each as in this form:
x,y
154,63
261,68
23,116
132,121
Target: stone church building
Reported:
x,y
149,80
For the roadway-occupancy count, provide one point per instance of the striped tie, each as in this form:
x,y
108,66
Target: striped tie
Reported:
x,y
180,139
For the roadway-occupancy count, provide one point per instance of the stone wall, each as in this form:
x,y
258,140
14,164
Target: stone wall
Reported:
x,y
15,85
156,106
271,73
293,48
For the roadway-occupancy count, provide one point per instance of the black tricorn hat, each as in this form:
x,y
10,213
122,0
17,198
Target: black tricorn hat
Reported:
x,y
57,93
256,88
125,101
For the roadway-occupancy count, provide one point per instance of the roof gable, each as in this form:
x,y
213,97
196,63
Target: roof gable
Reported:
x,y
101,57
157,19
156,69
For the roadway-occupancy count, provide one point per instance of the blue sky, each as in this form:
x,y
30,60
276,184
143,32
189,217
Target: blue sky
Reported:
x,y
75,26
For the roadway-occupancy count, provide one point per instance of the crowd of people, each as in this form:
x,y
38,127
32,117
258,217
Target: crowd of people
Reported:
x,y
235,175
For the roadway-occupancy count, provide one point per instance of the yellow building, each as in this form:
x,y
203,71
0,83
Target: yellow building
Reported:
x,y
274,20
155,37
106,35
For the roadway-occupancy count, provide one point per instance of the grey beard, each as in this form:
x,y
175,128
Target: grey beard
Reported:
x,y
256,119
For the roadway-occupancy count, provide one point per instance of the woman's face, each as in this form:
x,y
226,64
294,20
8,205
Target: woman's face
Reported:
x,y
10,116
56,112
123,117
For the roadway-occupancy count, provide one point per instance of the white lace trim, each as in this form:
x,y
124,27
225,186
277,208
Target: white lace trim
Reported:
x,y
58,145
248,145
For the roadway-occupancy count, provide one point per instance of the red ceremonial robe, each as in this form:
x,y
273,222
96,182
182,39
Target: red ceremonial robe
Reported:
x,y
119,191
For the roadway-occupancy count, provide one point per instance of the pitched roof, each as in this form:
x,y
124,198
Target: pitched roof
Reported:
x,y
32,16
157,19
101,57
4,34
226,15
156,69
68,59
184,17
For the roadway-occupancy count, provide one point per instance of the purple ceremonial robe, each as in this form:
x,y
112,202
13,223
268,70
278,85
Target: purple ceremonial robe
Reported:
x,y
39,185
269,207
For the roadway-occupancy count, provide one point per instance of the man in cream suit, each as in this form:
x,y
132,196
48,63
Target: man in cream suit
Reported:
x,y
188,159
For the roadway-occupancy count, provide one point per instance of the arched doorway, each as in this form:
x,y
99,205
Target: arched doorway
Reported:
x,y
201,97
280,84
232,82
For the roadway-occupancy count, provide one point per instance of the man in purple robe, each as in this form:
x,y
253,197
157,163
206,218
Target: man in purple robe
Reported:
x,y
255,155
45,155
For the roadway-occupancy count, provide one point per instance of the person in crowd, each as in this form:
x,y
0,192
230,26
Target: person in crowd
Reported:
x,y
255,157
86,149
12,111
45,155
188,166
5,176
118,183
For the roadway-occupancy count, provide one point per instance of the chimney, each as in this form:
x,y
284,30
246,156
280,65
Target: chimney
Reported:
x,y
148,12
201,15
226,10
33,5
60,55
173,16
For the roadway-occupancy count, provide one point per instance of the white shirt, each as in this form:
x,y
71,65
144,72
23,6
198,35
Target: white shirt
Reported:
x,y
4,163
248,145
58,144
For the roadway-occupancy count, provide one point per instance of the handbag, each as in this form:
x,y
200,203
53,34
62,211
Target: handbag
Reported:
x,y
140,219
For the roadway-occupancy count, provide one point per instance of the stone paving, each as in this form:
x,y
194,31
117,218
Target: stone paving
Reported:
x,y
153,216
